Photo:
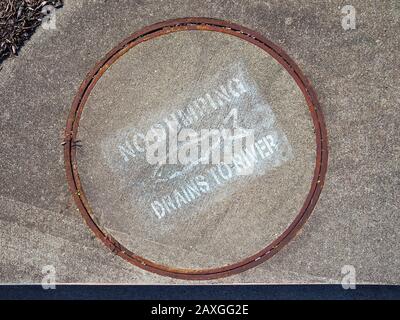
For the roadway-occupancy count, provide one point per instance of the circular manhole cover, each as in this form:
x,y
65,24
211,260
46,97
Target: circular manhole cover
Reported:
x,y
201,151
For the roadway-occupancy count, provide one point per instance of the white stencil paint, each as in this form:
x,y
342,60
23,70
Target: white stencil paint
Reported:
x,y
227,100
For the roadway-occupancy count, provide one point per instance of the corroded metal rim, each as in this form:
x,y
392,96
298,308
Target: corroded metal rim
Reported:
x,y
160,29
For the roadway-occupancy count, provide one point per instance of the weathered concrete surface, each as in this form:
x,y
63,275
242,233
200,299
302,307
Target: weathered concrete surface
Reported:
x,y
199,215
355,73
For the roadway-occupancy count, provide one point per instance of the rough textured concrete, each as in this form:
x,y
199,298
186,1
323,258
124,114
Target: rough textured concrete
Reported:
x,y
355,74
232,216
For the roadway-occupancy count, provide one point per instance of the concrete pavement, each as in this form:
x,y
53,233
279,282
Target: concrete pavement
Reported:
x,y
354,72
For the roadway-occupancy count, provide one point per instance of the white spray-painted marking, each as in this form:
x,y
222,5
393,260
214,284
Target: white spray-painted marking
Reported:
x,y
231,100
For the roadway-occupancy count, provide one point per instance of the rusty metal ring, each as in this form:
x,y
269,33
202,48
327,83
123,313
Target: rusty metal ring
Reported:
x,y
160,29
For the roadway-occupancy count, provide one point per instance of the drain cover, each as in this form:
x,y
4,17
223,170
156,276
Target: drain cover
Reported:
x,y
148,186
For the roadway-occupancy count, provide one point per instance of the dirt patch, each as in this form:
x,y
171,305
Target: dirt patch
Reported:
x,y
18,21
